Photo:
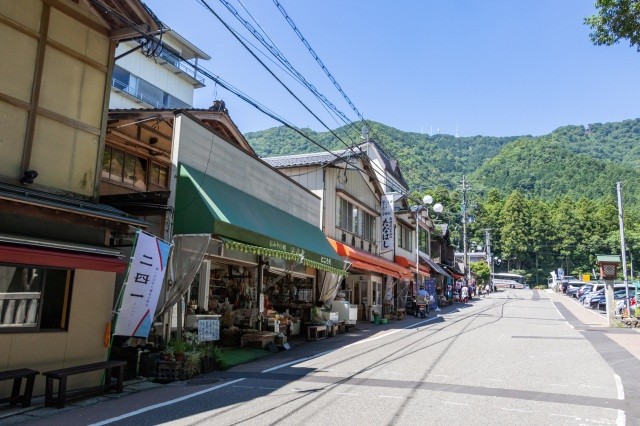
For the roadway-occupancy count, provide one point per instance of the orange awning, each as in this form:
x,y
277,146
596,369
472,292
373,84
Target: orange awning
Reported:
x,y
403,261
360,259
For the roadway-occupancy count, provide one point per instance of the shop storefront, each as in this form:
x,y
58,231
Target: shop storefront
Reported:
x,y
372,283
424,273
264,268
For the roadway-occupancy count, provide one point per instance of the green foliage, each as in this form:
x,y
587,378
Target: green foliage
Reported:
x,y
616,20
482,271
548,201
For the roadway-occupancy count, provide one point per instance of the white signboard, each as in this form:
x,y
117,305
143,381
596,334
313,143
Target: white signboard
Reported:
x,y
388,222
147,268
208,330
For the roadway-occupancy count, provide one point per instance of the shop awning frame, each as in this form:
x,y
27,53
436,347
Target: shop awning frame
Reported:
x,y
206,204
403,261
366,261
433,265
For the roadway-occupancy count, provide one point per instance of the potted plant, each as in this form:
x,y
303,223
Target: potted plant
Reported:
x,y
178,346
210,354
192,363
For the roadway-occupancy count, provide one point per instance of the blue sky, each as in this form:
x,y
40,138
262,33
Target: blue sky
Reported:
x,y
491,67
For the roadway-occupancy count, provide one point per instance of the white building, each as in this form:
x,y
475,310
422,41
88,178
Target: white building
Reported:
x,y
156,75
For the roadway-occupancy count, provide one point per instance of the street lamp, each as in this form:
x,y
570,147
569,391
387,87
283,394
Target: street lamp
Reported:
x,y
423,210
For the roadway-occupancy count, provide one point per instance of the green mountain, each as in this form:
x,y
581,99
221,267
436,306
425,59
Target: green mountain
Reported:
x,y
571,161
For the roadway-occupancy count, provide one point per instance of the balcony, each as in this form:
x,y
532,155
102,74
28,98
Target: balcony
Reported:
x,y
187,70
140,96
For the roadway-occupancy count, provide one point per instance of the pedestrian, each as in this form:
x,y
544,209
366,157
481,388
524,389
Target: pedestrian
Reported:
x,y
464,294
487,289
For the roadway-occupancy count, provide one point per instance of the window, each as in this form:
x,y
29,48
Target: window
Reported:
x,y
34,297
120,166
355,220
158,175
405,237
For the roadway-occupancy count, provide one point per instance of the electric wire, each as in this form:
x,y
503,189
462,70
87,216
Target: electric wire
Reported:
x,y
276,52
206,6
125,20
278,55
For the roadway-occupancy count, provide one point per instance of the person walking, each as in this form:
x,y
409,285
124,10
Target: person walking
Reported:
x,y
464,294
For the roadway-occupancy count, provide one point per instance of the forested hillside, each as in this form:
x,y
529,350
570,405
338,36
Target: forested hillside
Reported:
x,y
572,161
549,201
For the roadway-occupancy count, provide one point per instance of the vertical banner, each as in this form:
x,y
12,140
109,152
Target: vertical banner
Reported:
x,y
388,222
430,286
147,268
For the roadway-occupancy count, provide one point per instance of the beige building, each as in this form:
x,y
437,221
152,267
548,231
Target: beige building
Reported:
x,y
57,268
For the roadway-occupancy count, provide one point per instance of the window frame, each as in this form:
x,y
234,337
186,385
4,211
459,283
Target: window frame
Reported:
x,y
64,307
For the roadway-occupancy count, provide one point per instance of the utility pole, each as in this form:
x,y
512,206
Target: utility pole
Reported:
x,y
465,188
487,243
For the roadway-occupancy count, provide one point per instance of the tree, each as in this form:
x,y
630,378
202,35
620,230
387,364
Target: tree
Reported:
x,y
615,20
516,224
482,271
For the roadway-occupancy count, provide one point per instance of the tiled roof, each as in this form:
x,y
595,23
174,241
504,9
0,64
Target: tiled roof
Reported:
x,y
310,159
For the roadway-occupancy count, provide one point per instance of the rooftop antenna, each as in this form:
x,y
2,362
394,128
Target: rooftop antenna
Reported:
x,y
457,132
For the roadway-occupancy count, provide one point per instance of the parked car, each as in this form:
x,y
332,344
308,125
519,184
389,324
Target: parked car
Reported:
x,y
592,295
618,295
582,291
573,287
620,304
565,282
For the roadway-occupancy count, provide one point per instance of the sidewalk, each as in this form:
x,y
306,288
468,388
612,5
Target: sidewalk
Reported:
x,y
629,340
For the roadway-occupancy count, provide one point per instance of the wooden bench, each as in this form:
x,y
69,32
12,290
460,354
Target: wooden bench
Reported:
x,y
17,376
61,375
316,332
341,327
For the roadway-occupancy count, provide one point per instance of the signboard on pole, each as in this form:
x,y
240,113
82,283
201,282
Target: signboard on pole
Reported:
x,y
430,286
388,222
147,269
208,330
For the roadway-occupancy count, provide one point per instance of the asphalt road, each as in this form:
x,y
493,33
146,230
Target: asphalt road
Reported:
x,y
514,357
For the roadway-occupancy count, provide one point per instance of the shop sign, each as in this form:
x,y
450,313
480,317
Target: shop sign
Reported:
x,y
141,290
208,330
430,286
388,222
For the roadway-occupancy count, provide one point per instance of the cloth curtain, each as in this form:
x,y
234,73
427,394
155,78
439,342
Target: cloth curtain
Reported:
x,y
186,258
329,283
403,292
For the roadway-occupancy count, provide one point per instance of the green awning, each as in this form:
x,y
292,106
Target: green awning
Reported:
x,y
205,204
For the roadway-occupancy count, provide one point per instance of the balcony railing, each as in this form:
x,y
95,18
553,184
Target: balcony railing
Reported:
x,y
19,309
185,67
136,93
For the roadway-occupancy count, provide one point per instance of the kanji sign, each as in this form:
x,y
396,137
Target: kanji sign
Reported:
x,y
147,268
388,222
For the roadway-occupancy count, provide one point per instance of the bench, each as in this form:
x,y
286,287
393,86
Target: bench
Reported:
x,y
17,376
341,327
61,375
316,332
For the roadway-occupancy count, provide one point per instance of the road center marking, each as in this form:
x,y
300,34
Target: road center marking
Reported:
x,y
619,387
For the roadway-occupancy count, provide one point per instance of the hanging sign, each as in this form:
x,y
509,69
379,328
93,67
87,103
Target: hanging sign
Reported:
x,y
147,268
388,222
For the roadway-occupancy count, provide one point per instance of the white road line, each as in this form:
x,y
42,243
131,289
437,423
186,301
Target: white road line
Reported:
x,y
164,404
619,387
418,323
515,409
622,418
297,361
371,339
454,403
